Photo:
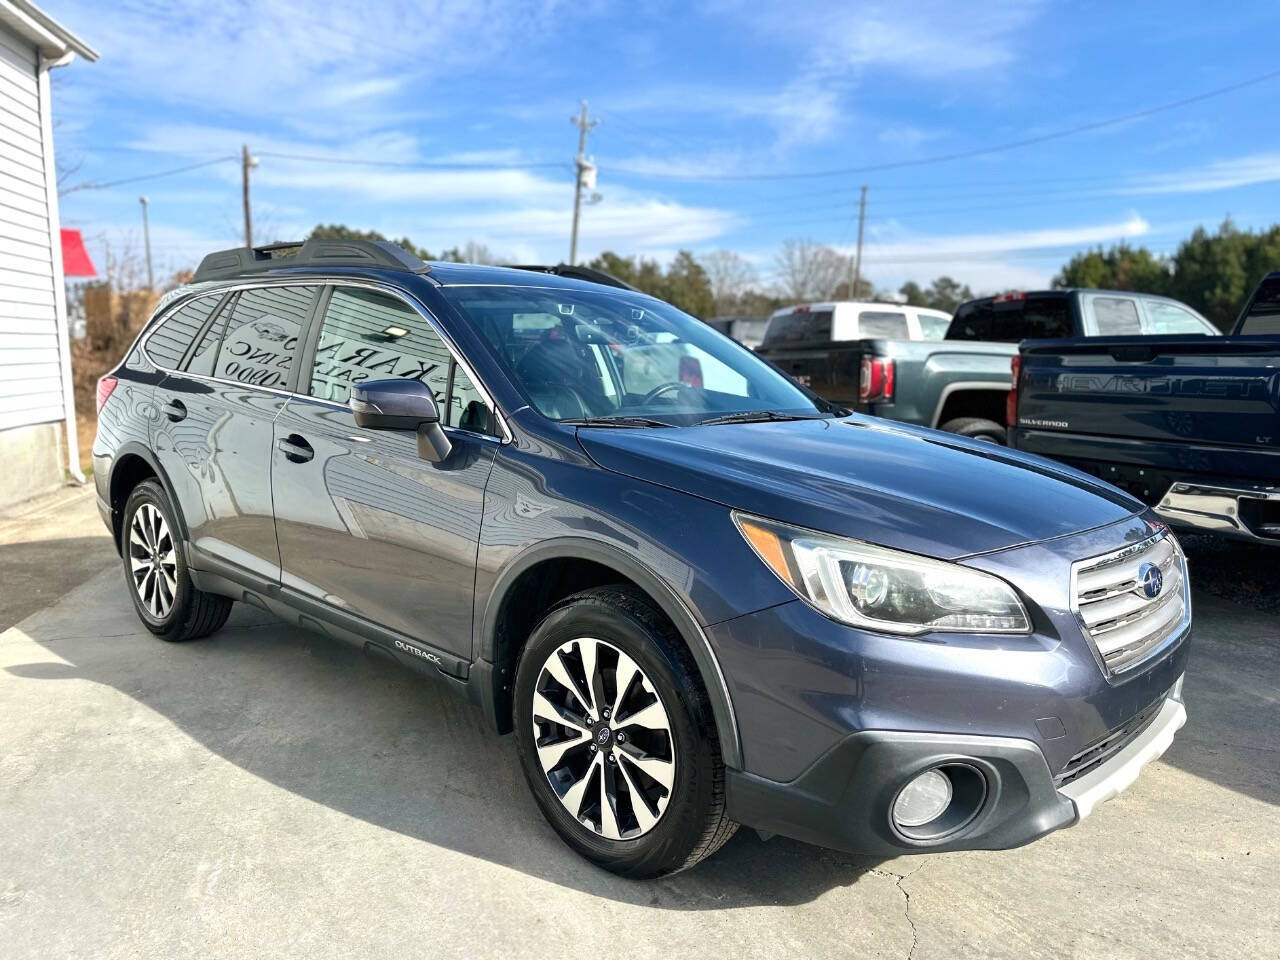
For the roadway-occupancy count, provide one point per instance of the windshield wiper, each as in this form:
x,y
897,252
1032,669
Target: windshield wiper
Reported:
x,y
618,422
758,416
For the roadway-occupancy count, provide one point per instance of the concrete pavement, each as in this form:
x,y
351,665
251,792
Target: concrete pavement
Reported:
x,y
48,546
266,792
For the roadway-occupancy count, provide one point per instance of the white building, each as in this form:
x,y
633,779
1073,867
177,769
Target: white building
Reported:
x,y
37,407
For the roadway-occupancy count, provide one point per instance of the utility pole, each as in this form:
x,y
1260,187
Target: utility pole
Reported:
x,y
857,260
586,178
247,163
146,239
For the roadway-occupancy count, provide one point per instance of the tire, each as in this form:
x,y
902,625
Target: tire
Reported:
x,y
166,601
978,428
627,632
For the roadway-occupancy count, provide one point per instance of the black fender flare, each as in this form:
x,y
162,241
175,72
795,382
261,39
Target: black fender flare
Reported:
x,y
134,448
670,602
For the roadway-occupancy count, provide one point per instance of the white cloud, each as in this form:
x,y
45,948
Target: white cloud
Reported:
x,y
295,60
985,261
908,135
930,39
922,247
1217,175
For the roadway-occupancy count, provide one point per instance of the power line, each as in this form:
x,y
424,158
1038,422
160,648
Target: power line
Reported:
x,y
411,164
148,176
975,152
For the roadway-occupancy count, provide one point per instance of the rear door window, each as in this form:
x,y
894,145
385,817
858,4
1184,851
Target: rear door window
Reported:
x,y
800,326
933,326
1166,318
1264,311
1115,316
260,335
883,325
168,343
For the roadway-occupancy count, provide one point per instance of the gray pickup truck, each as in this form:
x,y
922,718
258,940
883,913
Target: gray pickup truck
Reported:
x,y
961,383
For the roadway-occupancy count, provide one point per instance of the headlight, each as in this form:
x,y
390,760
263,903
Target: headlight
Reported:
x,y
880,589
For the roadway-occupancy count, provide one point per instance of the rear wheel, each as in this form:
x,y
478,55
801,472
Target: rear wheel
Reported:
x,y
616,738
979,428
155,570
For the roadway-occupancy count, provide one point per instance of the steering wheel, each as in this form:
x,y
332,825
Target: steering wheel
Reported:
x,y
662,388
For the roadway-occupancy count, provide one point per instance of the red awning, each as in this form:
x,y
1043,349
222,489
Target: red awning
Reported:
x,y
75,258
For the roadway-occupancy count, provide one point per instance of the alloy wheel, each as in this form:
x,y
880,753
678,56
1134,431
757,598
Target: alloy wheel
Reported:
x,y
603,738
153,562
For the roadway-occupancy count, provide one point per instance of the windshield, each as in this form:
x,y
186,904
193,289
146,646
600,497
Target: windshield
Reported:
x,y
583,354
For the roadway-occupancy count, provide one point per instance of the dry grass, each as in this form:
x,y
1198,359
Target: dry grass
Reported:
x,y
113,320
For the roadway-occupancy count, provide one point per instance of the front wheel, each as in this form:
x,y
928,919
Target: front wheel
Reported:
x,y
616,737
155,569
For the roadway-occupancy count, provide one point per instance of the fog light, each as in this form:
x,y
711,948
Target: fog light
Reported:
x,y
922,800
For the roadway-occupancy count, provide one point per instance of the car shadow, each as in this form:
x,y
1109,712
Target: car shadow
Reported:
x,y
361,736
38,572
364,737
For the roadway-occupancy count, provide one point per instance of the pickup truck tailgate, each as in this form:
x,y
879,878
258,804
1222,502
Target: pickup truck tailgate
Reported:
x,y
1171,388
829,373
1209,404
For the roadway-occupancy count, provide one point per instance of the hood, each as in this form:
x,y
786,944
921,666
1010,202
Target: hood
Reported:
x,y
888,483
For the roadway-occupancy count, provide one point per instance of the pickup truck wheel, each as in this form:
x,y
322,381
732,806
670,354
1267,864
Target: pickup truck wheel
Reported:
x,y
616,738
976,427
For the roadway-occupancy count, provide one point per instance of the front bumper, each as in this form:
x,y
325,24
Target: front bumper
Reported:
x,y
1113,776
844,800
1245,512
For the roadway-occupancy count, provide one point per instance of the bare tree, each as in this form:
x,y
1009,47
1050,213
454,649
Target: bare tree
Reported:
x,y
475,252
808,270
730,276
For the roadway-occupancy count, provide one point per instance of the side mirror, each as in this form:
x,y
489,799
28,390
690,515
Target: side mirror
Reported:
x,y
401,404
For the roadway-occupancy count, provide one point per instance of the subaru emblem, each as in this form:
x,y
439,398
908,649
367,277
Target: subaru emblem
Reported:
x,y
1152,580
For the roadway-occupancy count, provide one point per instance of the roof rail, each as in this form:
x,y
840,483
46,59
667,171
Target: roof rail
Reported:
x,y
579,273
241,261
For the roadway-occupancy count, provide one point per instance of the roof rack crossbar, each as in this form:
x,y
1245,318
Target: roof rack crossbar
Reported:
x,y
241,261
579,273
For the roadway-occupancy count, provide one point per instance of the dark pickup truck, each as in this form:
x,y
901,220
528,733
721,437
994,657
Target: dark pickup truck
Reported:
x,y
960,383
1188,424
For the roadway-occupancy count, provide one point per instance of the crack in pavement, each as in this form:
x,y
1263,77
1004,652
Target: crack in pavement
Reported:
x,y
906,903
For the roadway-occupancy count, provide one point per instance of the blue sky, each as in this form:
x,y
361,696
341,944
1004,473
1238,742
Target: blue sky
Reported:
x,y
470,100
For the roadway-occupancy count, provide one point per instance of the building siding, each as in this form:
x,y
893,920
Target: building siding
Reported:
x,y
30,373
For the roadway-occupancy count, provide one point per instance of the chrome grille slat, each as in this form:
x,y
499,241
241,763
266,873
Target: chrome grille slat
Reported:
x,y
1123,625
1106,615
1109,573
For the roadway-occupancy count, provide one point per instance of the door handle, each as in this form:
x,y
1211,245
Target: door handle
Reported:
x,y
295,448
175,410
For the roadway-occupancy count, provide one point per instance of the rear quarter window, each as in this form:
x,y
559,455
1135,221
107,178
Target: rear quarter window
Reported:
x,y
168,343
802,326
